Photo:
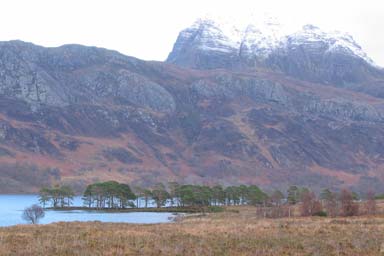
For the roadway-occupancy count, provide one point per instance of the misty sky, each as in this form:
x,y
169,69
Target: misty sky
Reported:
x,y
147,29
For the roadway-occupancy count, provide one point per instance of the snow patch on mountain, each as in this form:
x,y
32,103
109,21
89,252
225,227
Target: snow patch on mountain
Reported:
x,y
212,36
257,37
336,41
253,35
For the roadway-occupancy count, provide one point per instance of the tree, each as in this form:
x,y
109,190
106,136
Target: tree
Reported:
x,y
310,205
276,197
243,191
160,195
109,194
330,202
232,194
44,196
203,195
255,196
173,192
348,206
33,214
293,195
57,196
218,195
66,196
370,203
326,194
187,195
279,211
147,194
302,191
124,194
355,196
139,194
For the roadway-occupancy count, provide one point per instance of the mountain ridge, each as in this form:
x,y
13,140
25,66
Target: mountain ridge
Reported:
x,y
207,44
77,114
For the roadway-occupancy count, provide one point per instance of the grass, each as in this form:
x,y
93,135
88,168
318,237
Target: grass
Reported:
x,y
231,232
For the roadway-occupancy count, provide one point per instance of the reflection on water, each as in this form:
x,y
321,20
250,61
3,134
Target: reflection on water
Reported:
x,y
12,206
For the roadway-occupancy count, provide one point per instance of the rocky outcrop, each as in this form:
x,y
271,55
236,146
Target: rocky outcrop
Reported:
x,y
71,74
120,154
230,87
343,109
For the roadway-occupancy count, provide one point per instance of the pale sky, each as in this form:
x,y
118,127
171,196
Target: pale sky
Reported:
x,y
147,29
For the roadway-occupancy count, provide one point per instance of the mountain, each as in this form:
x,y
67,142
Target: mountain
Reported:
x,y
309,54
220,43
277,114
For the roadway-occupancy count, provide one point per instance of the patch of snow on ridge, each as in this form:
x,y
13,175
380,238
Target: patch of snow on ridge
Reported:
x,y
259,35
335,40
253,34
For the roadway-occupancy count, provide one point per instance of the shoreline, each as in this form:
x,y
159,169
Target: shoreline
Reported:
x,y
124,210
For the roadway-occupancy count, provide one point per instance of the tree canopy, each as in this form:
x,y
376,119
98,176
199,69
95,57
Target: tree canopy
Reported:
x,y
109,194
57,196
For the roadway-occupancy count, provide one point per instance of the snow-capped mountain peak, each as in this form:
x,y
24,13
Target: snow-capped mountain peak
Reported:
x,y
256,37
252,35
334,40
309,53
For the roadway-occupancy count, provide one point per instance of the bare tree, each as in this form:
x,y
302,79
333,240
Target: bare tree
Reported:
x,y
33,214
330,204
348,206
370,204
280,211
310,205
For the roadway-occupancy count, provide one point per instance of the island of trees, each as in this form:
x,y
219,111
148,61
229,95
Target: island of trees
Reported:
x,y
117,196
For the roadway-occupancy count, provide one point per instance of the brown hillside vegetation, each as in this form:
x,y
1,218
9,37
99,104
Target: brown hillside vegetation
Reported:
x,y
234,232
90,114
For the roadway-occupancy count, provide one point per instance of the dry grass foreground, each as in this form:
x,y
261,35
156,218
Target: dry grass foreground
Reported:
x,y
226,233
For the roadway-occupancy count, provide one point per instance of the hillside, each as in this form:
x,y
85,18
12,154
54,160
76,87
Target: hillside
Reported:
x,y
77,114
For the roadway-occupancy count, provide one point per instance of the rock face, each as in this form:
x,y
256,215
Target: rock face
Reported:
x,y
204,45
76,114
71,74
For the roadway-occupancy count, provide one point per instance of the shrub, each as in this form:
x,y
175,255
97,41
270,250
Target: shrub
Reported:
x,y
215,209
320,214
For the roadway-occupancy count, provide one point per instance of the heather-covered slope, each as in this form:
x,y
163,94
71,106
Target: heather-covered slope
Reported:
x,y
77,114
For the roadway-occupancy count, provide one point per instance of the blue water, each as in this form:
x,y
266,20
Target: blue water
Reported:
x,y
12,206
